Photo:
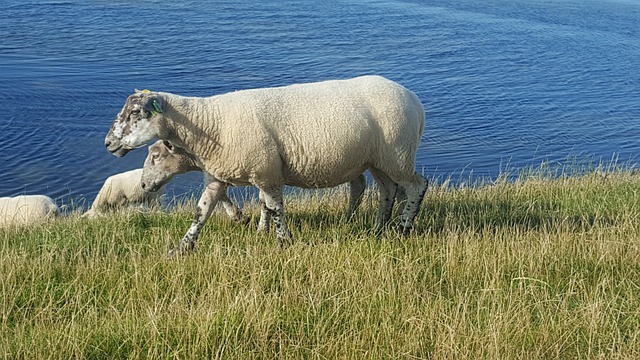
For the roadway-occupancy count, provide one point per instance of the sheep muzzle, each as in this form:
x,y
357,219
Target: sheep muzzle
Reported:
x,y
150,188
116,148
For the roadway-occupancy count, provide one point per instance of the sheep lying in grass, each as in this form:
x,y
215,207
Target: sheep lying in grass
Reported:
x,y
165,160
123,190
307,135
26,210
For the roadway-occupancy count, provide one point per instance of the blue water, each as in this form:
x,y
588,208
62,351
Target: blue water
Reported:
x,y
504,83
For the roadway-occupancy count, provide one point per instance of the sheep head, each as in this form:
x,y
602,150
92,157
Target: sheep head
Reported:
x,y
136,124
163,162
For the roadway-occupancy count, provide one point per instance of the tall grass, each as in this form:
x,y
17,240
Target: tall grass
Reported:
x,y
540,267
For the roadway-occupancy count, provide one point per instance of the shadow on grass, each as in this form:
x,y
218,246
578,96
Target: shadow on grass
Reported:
x,y
440,215
443,213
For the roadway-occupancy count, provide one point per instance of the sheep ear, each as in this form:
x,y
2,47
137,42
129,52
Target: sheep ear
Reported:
x,y
154,104
168,145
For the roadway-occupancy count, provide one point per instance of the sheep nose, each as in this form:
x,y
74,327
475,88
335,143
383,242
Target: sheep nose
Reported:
x,y
107,143
144,186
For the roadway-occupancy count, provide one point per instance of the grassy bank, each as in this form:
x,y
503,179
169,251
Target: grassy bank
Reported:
x,y
536,268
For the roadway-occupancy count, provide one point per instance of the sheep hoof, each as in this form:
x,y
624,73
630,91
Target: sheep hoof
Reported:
x,y
179,251
176,253
242,220
173,253
405,231
285,242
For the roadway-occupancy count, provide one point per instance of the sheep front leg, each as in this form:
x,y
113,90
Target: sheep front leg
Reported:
x,y
212,193
232,210
274,205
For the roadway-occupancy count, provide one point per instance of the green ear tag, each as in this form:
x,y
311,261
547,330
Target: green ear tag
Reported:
x,y
157,107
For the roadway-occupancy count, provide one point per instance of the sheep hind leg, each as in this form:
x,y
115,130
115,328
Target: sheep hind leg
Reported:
x,y
356,190
401,199
274,204
207,202
233,211
388,189
265,214
415,191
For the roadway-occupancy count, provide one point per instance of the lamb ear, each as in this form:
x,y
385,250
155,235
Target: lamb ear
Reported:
x,y
168,145
154,104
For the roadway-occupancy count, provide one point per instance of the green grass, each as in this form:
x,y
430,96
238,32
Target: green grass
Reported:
x,y
540,267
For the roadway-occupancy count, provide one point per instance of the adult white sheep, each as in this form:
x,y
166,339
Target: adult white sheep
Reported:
x,y
306,135
165,160
26,210
122,190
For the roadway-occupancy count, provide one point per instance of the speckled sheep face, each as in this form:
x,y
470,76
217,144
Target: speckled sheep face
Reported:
x,y
135,125
160,166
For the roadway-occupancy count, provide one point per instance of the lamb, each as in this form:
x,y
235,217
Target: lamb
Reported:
x,y
26,210
166,160
307,135
122,190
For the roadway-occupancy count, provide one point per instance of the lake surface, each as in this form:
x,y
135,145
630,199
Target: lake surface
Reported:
x,y
505,84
